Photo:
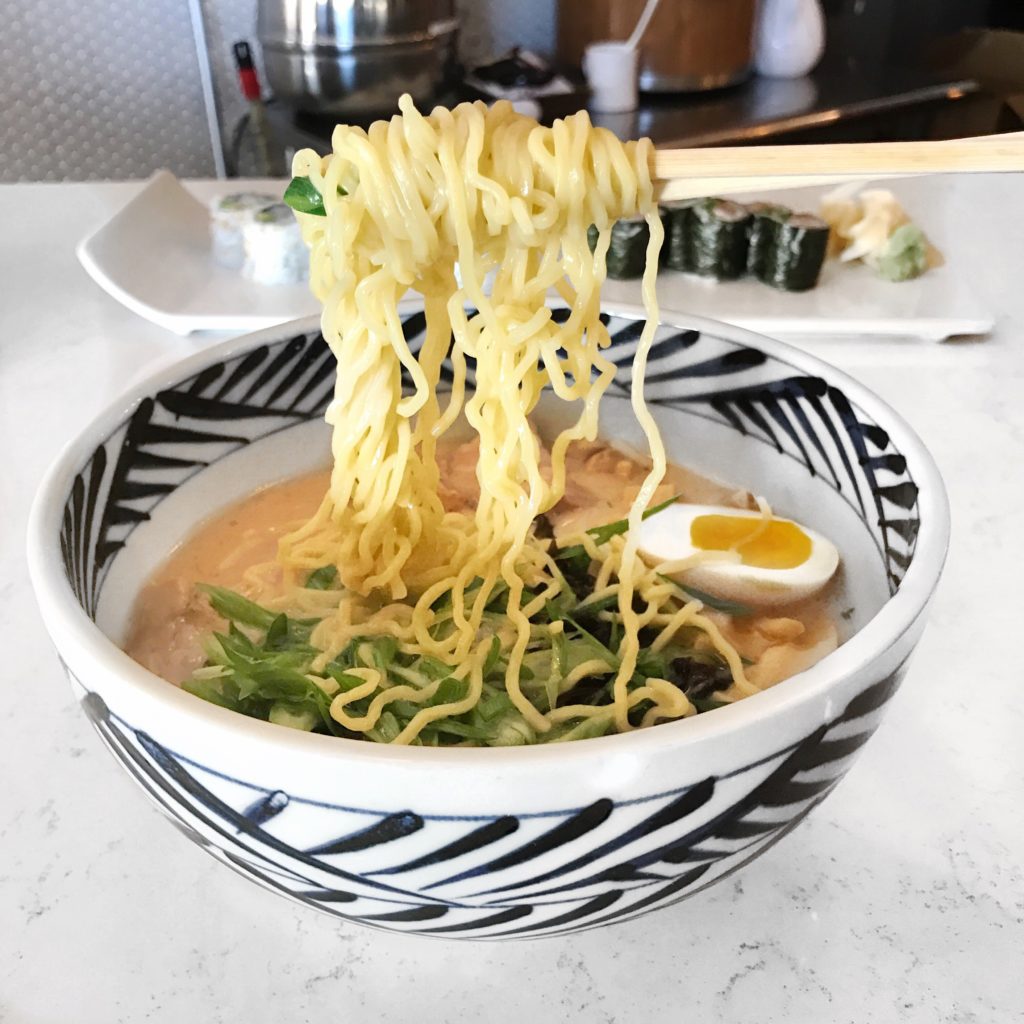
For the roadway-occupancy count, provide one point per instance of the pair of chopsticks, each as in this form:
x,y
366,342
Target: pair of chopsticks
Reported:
x,y
693,173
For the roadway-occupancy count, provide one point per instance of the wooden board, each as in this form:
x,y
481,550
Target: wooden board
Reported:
x,y
696,38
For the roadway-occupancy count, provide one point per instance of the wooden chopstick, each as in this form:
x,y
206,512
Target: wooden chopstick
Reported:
x,y
691,173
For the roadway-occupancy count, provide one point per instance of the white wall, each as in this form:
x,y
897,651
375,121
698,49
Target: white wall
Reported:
x,y
99,89
93,89
489,28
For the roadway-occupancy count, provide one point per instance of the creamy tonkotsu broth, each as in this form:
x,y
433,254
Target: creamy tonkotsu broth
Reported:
x,y
171,616
236,549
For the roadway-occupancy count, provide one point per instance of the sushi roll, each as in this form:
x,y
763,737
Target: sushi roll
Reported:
x,y
794,262
627,248
228,217
763,233
274,250
677,250
718,239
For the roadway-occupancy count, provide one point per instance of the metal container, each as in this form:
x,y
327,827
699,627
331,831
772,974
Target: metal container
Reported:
x,y
356,56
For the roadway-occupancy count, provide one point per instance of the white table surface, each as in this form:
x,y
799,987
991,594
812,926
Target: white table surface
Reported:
x,y
900,899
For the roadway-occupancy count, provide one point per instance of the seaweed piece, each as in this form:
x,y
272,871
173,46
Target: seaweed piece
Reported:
x,y
699,679
592,690
542,528
708,704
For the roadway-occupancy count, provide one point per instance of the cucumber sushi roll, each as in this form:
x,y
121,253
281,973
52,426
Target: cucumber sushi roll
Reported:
x,y
228,217
627,249
719,239
677,250
274,250
794,262
763,233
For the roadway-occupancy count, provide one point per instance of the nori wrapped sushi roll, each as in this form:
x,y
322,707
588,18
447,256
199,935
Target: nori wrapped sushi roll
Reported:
x,y
763,233
718,239
794,262
627,248
677,250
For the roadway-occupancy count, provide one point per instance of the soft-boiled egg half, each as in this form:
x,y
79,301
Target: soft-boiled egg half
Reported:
x,y
738,555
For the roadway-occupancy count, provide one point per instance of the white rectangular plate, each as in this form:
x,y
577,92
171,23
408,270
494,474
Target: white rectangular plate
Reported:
x,y
154,256
850,299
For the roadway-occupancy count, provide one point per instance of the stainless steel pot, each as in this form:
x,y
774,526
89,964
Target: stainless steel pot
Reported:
x,y
354,56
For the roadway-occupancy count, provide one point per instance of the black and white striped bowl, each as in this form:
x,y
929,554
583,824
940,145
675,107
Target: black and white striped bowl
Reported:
x,y
490,843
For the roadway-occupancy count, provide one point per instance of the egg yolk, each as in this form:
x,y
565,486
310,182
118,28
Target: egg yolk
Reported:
x,y
779,545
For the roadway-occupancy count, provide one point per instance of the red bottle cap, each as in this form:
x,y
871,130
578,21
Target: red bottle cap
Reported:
x,y
247,77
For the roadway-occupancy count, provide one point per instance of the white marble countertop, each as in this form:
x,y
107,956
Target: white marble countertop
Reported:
x,y
900,899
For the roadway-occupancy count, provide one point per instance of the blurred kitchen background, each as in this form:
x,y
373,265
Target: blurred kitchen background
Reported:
x,y
98,89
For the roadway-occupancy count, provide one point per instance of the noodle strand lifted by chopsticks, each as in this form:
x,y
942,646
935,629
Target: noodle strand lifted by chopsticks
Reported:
x,y
483,212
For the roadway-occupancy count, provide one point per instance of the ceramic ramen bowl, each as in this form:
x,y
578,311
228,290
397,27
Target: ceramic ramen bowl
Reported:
x,y
491,843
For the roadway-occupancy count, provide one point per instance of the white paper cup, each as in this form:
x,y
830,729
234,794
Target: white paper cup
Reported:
x,y
611,70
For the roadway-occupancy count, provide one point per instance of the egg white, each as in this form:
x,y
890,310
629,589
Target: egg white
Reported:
x,y
665,537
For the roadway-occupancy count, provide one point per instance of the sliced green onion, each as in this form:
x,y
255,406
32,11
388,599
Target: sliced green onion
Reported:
x,y
718,604
304,197
323,578
603,534
236,608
